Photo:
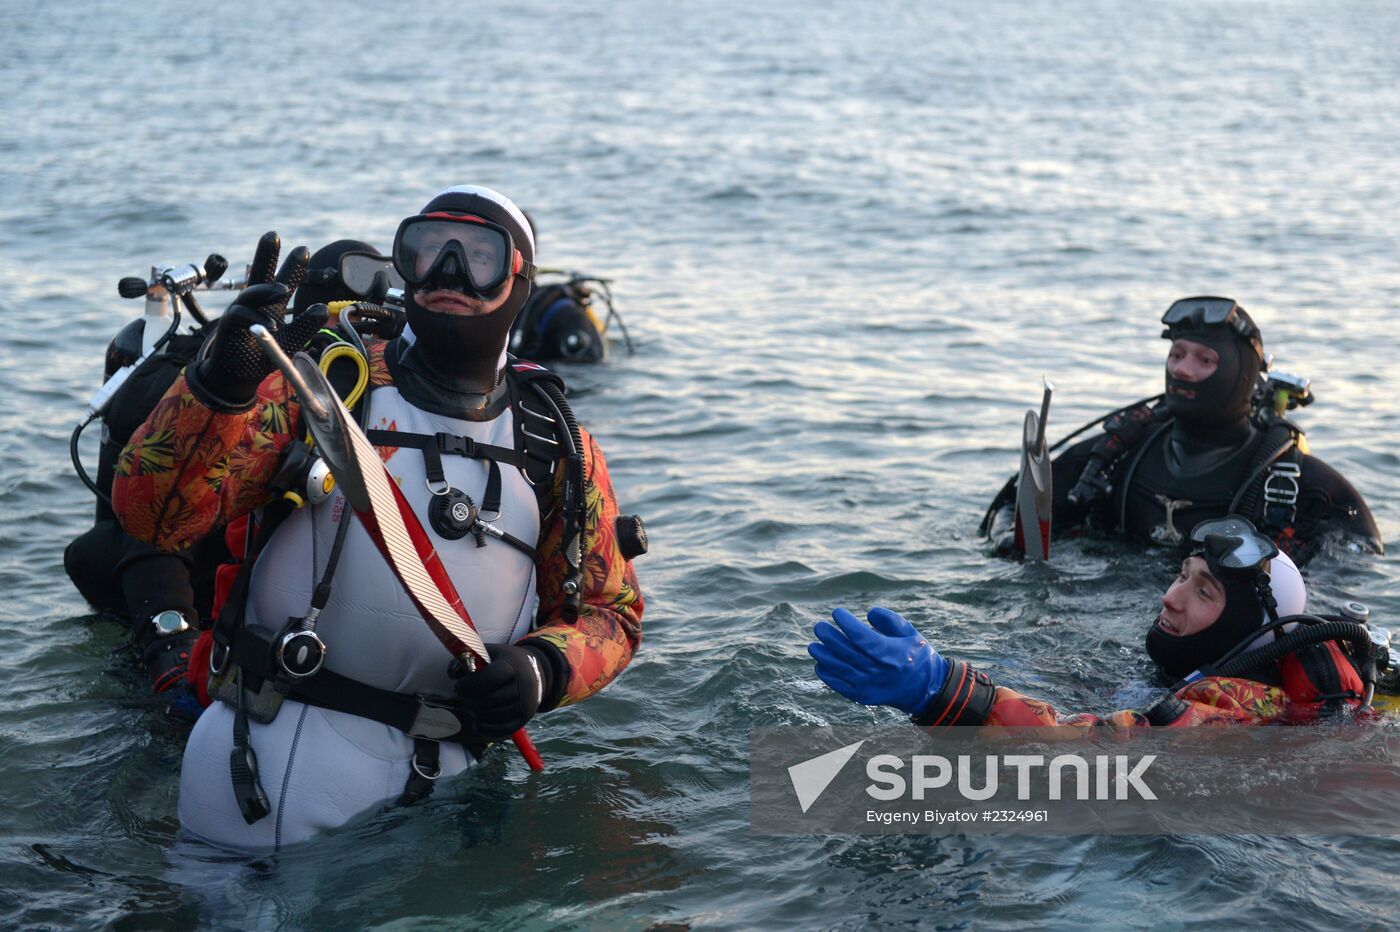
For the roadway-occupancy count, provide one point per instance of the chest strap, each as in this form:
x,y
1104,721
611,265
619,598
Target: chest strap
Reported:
x,y
434,446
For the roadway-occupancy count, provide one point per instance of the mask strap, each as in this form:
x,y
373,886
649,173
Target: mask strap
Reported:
x,y
1265,593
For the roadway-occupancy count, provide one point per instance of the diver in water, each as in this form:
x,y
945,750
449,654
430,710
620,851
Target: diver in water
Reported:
x,y
560,321
1206,450
164,597
334,695
1224,633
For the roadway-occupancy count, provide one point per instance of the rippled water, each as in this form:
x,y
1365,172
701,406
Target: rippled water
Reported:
x,y
848,241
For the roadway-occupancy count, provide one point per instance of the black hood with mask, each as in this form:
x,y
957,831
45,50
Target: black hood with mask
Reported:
x,y
1222,400
1243,613
322,283
453,365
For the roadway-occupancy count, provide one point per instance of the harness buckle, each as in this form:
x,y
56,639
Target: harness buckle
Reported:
x,y
455,445
434,720
218,658
1286,491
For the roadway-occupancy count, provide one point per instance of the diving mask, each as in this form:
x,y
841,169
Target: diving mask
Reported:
x,y
358,269
1195,314
1232,544
465,250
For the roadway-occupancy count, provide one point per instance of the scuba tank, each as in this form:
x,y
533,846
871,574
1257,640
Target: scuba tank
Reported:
x,y
169,289
561,320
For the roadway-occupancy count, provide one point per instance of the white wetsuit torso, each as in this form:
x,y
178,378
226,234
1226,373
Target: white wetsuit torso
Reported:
x,y
319,767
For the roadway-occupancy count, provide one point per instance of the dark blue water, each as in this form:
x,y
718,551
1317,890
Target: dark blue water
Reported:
x,y
849,241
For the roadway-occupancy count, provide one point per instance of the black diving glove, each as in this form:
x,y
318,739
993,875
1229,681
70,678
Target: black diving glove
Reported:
x,y
167,663
503,695
232,365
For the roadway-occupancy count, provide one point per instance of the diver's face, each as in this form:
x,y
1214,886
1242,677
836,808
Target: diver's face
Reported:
x,y
445,301
1194,601
1190,361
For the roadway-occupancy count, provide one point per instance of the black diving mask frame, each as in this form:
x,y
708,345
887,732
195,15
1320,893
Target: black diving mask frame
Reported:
x,y
359,268
463,248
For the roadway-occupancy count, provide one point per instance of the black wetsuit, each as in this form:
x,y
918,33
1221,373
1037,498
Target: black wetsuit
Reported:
x,y
1190,478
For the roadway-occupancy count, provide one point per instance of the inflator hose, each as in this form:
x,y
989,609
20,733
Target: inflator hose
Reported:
x,y
1303,636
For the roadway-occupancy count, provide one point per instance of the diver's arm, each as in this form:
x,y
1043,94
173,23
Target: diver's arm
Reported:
x,y
189,468
1329,506
1210,701
888,662
206,453
592,650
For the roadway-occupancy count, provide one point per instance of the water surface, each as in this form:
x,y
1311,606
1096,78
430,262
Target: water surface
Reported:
x,y
849,241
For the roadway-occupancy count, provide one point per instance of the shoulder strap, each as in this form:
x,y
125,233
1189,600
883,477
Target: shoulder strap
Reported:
x,y
1270,492
1126,482
231,615
548,432
538,431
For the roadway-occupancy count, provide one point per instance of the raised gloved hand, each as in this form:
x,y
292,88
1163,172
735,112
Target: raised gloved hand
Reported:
x,y
884,663
503,695
231,366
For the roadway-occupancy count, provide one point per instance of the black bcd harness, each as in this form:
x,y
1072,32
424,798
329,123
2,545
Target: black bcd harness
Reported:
x,y
1268,496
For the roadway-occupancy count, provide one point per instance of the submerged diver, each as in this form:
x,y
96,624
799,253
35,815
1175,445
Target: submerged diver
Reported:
x,y
559,323
1203,452
335,695
164,596
1220,633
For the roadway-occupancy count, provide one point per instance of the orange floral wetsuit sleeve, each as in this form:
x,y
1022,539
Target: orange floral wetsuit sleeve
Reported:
x,y
189,469
1210,701
601,642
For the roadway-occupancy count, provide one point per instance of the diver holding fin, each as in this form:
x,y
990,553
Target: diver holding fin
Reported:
x,y
1217,442
333,696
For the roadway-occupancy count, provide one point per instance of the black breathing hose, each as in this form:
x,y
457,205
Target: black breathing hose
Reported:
x,y
1311,630
78,463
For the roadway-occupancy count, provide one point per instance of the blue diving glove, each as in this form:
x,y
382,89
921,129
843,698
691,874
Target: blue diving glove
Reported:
x,y
884,663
